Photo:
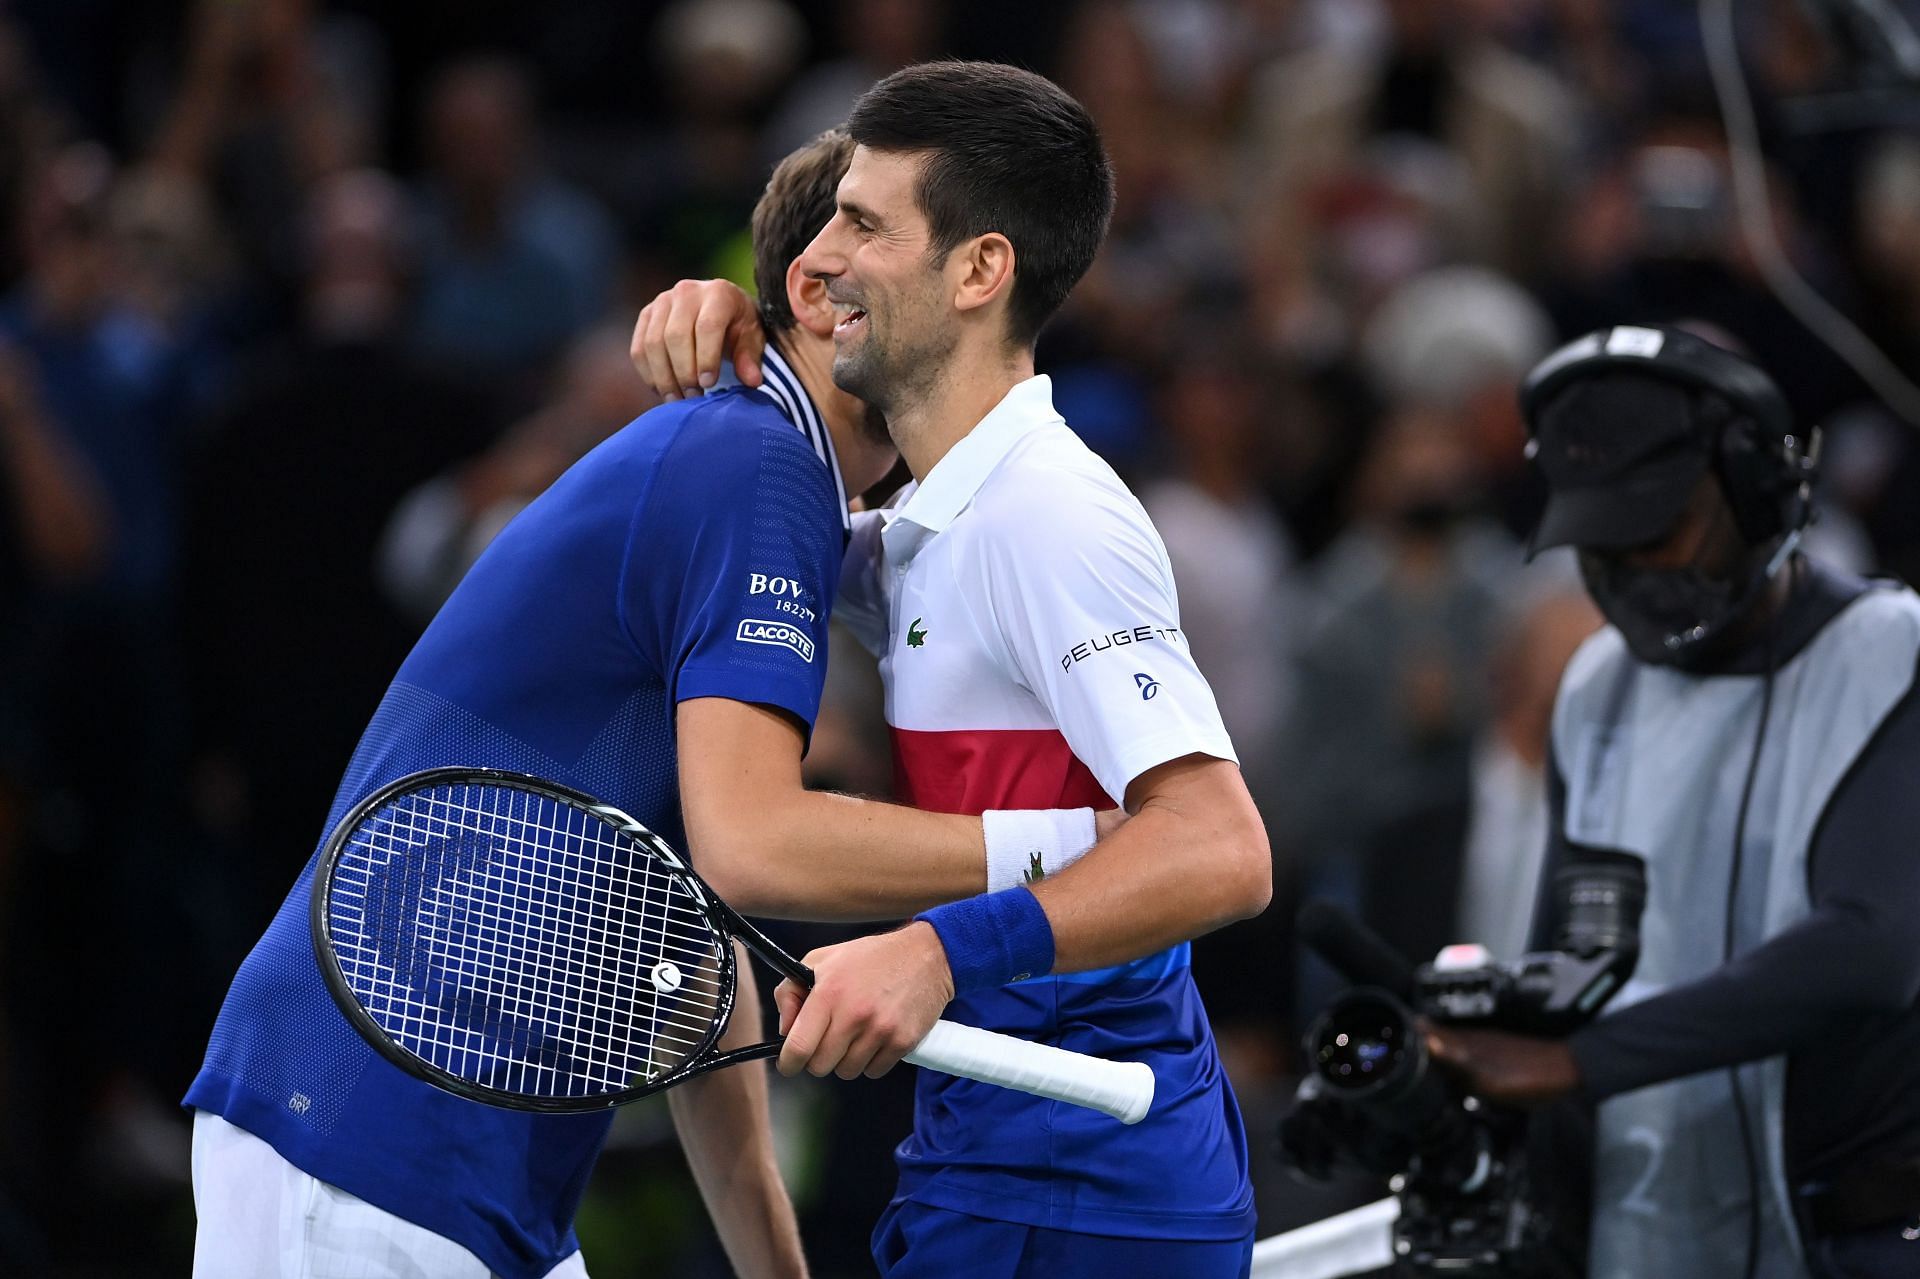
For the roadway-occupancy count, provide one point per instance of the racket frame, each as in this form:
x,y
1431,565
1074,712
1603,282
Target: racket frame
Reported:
x,y
727,925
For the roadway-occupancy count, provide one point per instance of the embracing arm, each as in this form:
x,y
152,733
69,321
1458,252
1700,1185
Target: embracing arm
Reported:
x,y
683,336
771,847
728,1140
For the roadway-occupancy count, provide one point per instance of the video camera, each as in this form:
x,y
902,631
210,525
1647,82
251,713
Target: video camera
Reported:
x,y
1462,1168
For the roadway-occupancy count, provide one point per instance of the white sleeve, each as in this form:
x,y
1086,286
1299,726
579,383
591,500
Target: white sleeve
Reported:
x,y
861,605
1087,612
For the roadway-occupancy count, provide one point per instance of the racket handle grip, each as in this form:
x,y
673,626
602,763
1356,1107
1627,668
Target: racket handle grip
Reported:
x,y
1123,1089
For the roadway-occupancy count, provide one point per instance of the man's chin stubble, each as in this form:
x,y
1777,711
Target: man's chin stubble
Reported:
x,y
852,377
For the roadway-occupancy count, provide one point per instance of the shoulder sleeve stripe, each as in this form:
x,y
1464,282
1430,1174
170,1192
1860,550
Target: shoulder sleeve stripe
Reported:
x,y
784,386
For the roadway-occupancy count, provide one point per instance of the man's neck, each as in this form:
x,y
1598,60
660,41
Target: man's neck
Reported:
x,y
953,403
864,460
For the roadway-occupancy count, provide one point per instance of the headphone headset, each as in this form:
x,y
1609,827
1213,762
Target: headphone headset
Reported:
x,y
1766,469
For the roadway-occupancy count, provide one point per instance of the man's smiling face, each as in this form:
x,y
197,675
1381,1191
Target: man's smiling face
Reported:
x,y
891,335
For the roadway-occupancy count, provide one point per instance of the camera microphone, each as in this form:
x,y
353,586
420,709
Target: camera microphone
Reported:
x,y
1360,954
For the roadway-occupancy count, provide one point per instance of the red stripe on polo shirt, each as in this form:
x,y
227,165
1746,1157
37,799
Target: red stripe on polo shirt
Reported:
x,y
973,769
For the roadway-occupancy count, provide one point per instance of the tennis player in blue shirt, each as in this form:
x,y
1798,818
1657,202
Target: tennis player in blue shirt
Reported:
x,y
652,631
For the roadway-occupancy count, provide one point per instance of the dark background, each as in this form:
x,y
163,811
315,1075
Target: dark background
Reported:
x,y
299,301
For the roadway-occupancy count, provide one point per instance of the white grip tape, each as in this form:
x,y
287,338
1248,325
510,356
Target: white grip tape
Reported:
x,y
1123,1089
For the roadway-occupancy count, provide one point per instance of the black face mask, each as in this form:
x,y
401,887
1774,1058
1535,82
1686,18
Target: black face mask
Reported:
x,y
1430,516
1676,617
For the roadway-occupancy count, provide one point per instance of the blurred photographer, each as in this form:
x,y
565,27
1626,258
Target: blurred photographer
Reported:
x,y
1748,726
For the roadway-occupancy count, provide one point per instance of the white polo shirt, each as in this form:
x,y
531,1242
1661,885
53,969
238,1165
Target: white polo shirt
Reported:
x,y
1024,613
1029,639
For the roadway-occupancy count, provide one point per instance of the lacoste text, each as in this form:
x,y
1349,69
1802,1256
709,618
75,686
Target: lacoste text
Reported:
x,y
779,634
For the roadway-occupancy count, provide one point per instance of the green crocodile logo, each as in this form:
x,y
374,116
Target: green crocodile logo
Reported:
x,y
1035,871
916,634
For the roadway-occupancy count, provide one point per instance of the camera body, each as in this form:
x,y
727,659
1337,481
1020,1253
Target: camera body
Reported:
x,y
1470,1204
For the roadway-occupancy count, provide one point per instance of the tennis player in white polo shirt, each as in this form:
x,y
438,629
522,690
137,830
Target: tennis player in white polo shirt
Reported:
x,y
1029,637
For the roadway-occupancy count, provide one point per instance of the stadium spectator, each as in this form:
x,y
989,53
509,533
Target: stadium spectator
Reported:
x,y
877,37
1654,231
1507,825
91,693
1240,606
1875,456
30,131
1167,263
440,527
721,63
1506,126
1391,689
271,96
1457,340
300,469
512,262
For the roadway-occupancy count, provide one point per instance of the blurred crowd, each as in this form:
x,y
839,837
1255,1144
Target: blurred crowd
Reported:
x,y
301,301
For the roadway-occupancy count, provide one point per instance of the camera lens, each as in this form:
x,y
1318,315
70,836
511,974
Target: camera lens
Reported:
x,y
1367,1052
1362,1043
1600,904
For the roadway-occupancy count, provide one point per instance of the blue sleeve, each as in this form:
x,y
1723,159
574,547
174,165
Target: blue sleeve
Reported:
x,y
734,559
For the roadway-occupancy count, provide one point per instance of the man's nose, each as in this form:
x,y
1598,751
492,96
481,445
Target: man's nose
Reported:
x,y
822,259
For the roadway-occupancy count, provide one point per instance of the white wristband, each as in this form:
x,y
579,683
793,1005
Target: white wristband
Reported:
x,y
1024,845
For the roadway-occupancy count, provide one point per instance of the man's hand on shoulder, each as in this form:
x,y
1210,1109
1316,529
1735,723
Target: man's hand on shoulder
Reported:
x,y
873,999
684,335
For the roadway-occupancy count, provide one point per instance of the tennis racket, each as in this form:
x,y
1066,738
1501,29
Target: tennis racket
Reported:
x,y
517,943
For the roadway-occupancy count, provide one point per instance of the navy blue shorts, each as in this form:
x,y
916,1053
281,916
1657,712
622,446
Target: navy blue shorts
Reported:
x,y
914,1241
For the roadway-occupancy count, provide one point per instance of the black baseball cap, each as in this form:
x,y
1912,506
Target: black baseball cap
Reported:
x,y
1621,452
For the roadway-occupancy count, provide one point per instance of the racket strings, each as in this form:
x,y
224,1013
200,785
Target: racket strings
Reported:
x,y
519,942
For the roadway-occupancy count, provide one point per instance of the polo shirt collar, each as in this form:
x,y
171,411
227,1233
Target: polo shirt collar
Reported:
x,y
957,477
783,386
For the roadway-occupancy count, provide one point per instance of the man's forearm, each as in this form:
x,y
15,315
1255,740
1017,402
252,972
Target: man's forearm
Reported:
x,y
823,856
724,1129
772,848
1193,859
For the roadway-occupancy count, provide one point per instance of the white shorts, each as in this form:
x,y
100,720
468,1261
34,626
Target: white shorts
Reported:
x,y
262,1218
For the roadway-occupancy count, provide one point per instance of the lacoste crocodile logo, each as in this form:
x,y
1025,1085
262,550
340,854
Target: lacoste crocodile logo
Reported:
x,y
916,634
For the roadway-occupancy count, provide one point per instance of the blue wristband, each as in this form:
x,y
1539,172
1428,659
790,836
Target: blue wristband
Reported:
x,y
993,939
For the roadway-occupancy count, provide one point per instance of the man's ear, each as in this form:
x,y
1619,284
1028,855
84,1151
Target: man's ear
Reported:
x,y
807,296
982,271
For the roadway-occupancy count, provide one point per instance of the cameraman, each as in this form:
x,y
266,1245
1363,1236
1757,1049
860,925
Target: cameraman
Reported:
x,y
1748,726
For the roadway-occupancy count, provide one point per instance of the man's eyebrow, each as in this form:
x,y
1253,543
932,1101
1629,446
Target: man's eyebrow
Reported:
x,y
858,212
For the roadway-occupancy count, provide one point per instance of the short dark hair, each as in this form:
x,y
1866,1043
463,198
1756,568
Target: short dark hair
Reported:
x,y
798,201
1006,150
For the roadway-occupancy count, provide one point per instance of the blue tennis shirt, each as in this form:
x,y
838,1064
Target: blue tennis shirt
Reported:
x,y
693,554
